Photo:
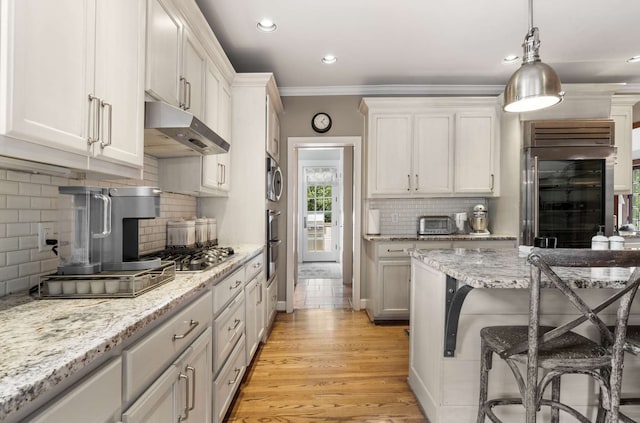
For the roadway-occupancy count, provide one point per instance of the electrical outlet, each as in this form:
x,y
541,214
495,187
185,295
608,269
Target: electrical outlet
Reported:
x,y
394,217
45,232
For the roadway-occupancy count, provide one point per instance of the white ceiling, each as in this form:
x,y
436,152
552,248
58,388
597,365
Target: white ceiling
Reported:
x,y
425,42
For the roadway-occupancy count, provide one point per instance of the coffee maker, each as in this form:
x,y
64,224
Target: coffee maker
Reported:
x,y
128,206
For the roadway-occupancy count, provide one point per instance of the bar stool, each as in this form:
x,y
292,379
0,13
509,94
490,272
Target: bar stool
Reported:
x,y
559,350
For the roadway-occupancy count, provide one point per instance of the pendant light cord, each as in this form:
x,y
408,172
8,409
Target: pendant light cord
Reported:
x,y
530,15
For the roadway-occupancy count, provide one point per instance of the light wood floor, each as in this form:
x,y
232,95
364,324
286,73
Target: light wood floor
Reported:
x,y
323,365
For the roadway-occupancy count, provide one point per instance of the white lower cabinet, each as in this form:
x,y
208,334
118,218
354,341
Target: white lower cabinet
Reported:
x,y
254,314
181,393
98,396
272,302
228,381
228,327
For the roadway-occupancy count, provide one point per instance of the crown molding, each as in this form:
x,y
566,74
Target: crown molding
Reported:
x,y
449,90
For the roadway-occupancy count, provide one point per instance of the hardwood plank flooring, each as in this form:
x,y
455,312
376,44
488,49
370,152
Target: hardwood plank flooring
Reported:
x,y
322,365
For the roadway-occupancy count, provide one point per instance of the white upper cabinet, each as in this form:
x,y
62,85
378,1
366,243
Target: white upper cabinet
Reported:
x,y
76,92
273,131
622,114
193,75
475,156
164,45
431,147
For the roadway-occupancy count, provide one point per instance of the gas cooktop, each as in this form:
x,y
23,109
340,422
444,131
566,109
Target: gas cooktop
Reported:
x,y
195,259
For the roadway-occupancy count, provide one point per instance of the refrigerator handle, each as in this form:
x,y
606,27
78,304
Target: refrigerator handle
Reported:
x,y
536,197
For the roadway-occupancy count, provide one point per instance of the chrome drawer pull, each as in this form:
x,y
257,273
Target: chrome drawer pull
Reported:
x,y
392,250
235,379
234,286
236,323
186,407
193,388
192,326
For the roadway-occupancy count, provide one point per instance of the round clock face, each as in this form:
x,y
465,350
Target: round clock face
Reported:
x,y
321,122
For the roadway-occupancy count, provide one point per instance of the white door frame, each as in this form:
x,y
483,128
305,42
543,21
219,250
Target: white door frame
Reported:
x,y
292,206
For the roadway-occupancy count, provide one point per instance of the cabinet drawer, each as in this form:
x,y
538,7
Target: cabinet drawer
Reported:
x,y
227,289
227,328
144,361
396,249
99,396
228,382
433,245
253,267
485,244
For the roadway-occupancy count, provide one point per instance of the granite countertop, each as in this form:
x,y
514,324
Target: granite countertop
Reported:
x,y
46,341
453,237
507,268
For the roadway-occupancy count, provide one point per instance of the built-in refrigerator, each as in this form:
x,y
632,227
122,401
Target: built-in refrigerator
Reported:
x,y
567,181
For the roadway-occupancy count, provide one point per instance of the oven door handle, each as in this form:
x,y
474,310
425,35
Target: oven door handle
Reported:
x,y
275,243
274,212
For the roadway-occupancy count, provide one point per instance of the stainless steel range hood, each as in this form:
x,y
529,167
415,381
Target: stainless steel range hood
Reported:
x,y
173,132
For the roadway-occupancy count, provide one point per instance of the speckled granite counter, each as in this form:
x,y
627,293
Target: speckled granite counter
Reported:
x,y
46,341
454,237
506,268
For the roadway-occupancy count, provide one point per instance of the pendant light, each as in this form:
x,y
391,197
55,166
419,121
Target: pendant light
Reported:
x,y
535,85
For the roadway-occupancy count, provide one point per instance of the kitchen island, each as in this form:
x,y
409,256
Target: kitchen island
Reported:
x,y
456,292
49,345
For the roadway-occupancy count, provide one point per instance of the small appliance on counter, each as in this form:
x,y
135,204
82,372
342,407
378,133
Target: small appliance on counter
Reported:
x,y
436,225
479,221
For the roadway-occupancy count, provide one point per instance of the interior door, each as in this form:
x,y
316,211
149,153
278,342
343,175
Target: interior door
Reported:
x,y
320,213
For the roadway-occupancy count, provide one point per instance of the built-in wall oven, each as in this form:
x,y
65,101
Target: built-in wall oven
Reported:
x,y
273,242
567,186
274,180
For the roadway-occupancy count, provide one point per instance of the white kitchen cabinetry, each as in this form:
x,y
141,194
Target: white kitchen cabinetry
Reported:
x,y
228,381
273,131
430,147
98,396
75,97
182,392
622,114
272,303
254,310
192,80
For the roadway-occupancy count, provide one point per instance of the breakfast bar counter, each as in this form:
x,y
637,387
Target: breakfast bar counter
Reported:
x,y
455,293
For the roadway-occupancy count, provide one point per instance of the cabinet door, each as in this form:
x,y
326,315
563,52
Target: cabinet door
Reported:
x,y
49,73
272,301
273,131
120,79
158,403
99,396
393,288
260,306
251,327
164,38
390,159
224,130
623,118
474,152
196,379
433,154
194,63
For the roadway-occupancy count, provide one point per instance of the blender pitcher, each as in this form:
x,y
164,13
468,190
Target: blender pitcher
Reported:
x,y
84,220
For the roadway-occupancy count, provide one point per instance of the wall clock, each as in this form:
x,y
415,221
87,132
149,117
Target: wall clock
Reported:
x,y
321,122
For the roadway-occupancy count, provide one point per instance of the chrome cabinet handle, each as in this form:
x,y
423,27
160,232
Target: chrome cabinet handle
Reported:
x,y
235,379
224,174
408,182
396,250
192,325
492,181
183,93
257,265
193,387
188,87
219,174
417,182
235,285
259,287
186,406
93,131
235,326
104,105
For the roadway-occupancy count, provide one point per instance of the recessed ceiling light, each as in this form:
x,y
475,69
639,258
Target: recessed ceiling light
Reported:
x,y
329,59
267,25
512,58
634,59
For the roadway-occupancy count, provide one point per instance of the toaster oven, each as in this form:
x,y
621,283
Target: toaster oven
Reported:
x,y
436,225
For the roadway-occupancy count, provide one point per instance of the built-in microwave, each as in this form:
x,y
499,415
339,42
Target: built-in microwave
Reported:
x,y
274,180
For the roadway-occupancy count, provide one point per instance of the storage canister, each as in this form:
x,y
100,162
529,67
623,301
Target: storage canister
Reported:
x,y
181,233
202,230
212,226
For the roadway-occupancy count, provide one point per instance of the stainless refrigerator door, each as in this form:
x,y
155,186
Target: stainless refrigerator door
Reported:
x,y
567,193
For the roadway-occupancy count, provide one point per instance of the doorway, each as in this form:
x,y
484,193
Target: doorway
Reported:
x,y
323,224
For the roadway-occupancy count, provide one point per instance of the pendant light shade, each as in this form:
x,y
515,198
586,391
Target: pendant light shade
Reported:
x,y
535,85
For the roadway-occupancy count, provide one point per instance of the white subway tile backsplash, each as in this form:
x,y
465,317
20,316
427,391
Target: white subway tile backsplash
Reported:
x,y
28,199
